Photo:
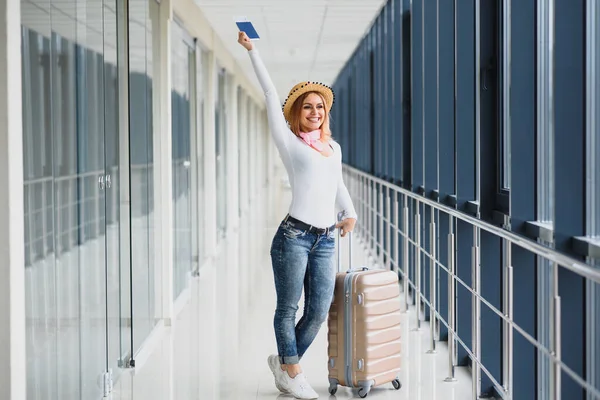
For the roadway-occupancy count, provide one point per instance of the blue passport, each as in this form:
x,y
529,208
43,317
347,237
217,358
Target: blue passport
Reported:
x,y
246,26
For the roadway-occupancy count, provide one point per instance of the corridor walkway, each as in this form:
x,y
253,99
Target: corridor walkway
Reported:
x,y
218,346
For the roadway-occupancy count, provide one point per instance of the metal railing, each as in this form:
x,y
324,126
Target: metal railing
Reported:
x,y
384,230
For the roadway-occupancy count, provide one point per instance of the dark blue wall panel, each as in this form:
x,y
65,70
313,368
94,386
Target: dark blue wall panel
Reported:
x,y
522,190
465,162
389,66
446,99
524,354
417,94
406,95
464,244
430,134
430,123
443,224
489,108
377,103
465,101
523,114
397,91
569,172
491,324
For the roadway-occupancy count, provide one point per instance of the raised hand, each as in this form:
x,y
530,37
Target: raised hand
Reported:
x,y
245,41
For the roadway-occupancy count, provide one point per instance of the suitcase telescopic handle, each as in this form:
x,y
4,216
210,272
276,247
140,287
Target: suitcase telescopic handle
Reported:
x,y
339,258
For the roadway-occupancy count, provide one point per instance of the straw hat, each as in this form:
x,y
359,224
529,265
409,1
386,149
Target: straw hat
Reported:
x,y
304,87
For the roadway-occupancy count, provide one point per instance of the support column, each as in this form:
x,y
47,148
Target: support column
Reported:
x,y
233,186
198,156
210,164
163,169
243,155
12,259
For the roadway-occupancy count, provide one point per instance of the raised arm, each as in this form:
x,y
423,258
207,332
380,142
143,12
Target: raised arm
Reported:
x,y
272,99
277,123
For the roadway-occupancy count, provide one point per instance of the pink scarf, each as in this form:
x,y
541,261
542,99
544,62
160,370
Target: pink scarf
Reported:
x,y
312,139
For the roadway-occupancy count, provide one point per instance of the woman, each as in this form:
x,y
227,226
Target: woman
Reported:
x,y
302,252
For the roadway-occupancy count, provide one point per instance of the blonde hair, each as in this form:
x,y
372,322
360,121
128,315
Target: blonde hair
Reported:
x,y
297,110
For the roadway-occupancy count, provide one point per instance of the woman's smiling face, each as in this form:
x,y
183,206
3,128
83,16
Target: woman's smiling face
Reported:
x,y
312,112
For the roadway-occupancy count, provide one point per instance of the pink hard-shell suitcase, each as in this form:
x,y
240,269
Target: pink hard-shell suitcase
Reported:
x,y
364,329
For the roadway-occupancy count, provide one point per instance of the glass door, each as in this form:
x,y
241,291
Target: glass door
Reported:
x,y
86,192
98,203
116,289
142,27
71,186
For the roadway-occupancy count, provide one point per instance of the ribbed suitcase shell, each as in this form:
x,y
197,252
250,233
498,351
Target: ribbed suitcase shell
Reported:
x,y
372,336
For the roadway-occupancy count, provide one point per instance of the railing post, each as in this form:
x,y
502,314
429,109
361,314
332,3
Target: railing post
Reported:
x,y
556,336
381,213
388,222
396,233
451,304
418,264
476,314
371,210
405,252
363,203
366,214
507,334
359,205
349,180
432,283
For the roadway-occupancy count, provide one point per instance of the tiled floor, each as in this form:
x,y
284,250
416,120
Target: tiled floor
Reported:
x,y
218,347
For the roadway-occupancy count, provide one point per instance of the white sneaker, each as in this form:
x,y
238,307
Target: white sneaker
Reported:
x,y
275,366
298,386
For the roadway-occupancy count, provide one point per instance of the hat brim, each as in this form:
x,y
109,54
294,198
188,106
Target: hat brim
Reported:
x,y
307,87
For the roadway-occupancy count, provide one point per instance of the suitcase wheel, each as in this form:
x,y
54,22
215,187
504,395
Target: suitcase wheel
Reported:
x,y
362,393
397,384
332,390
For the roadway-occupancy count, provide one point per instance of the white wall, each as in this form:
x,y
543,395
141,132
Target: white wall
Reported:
x,y
12,261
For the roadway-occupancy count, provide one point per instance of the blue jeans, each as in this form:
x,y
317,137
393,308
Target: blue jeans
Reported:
x,y
301,259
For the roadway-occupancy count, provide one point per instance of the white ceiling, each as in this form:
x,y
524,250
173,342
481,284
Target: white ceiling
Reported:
x,y
299,39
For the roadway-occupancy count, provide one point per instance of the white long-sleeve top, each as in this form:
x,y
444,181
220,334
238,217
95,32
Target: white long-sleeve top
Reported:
x,y
316,180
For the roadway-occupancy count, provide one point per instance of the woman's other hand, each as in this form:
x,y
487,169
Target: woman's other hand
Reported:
x,y
245,41
346,226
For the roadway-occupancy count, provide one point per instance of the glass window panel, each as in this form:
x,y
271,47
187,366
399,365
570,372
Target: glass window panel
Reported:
x,y
141,176
545,114
181,91
40,263
545,179
505,93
